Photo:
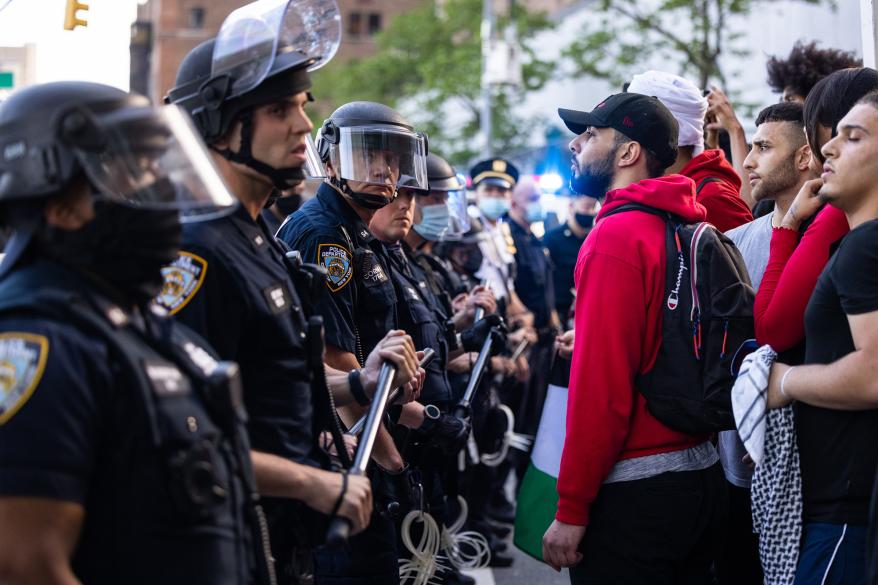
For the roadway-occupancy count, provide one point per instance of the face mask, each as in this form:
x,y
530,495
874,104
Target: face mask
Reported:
x,y
534,212
124,246
594,179
289,204
493,207
583,220
473,261
434,222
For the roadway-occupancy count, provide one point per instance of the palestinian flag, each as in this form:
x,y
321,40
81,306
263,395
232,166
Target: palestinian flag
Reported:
x,y
538,495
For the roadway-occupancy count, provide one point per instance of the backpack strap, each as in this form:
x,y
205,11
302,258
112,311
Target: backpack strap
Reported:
x,y
704,182
665,215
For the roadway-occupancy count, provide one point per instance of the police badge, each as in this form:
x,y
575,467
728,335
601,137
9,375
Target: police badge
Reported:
x,y
337,262
182,279
22,363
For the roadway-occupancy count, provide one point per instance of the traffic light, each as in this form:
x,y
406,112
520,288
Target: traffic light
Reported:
x,y
71,21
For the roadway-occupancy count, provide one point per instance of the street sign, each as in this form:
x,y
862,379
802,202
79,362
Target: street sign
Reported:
x,y
7,80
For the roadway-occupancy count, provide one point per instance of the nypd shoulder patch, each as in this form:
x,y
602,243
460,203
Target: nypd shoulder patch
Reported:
x,y
183,277
22,363
338,264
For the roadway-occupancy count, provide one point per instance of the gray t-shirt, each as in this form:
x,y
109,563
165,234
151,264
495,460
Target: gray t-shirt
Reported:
x,y
753,240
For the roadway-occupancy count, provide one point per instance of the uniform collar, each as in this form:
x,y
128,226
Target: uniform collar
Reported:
x,y
335,202
255,232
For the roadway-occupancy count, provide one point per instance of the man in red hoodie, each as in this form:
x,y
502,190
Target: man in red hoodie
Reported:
x,y
638,501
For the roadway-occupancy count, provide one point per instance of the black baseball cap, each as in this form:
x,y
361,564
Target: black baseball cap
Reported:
x,y
641,118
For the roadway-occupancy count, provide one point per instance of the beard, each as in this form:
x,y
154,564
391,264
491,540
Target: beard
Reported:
x,y
782,178
593,179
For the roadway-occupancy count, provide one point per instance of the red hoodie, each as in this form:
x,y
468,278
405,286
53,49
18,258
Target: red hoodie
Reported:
x,y
620,286
721,197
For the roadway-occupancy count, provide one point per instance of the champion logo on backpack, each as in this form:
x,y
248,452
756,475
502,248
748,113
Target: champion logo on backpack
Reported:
x,y
689,386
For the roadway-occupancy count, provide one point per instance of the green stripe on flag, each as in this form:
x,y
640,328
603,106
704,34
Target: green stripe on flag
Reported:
x,y
537,504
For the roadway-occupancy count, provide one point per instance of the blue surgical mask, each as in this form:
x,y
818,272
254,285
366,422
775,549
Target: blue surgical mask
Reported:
x,y
534,212
434,222
493,207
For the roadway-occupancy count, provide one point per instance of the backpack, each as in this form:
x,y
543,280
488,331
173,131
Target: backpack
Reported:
x,y
707,327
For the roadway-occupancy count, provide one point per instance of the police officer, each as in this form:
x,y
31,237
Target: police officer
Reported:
x,y
121,444
563,243
440,213
234,283
436,433
369,151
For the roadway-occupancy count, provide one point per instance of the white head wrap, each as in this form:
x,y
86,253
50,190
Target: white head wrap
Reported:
x,y
682,98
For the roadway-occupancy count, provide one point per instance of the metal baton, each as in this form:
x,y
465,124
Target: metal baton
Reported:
x,y
429,354
480,311
340,528
463,406
519,350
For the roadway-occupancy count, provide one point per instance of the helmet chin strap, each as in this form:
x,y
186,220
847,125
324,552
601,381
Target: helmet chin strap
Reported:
x,y
366,200
282,179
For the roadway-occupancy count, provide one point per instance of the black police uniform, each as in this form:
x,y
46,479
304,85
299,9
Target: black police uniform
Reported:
x,y
533,274
358,312
117,411
361,306
563,246
233,284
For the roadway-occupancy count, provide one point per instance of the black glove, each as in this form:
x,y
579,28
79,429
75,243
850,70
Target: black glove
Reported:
x,y
447,432
473,338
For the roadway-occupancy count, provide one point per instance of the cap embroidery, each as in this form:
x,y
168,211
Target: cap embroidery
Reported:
x,y
628,122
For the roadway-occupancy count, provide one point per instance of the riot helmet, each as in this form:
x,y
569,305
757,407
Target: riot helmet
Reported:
x,y
442,208
263,53
144,167
373,145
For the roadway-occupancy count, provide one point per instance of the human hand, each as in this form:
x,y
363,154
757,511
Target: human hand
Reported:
x,y
721,110
474,338
397,348
564,344
324,488
462,363
522,333
561,545
350,443
522,369
806,204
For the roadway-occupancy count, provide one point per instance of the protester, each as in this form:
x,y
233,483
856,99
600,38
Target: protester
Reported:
x,y
835,394
778,165
806,64
794,265
638,501
717,184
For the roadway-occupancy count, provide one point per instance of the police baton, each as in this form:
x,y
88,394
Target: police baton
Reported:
x,y
462,408
480,311
340,528
429,355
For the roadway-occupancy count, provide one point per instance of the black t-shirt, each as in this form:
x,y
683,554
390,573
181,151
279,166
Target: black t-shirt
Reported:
x,y
563,246
839,449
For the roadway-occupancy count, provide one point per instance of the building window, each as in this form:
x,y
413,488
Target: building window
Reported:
x,y
196,18
355,24
374,22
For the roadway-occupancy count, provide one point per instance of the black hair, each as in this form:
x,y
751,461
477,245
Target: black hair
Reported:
x,y
832,98
654,166
805,66
870,99
782,112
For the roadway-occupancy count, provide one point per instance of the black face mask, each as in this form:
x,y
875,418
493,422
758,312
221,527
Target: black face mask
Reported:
x,y
473,262
364,200
289,204
583,220
595,178
124,246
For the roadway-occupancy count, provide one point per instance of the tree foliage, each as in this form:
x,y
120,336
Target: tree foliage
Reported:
x,y
692,34
428,64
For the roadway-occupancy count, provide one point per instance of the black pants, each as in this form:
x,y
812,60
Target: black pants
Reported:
x,y
664,530
738,562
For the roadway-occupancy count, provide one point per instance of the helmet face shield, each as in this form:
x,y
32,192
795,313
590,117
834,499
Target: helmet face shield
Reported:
x,y
380,155
459,222
314,167
153,158
254,36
